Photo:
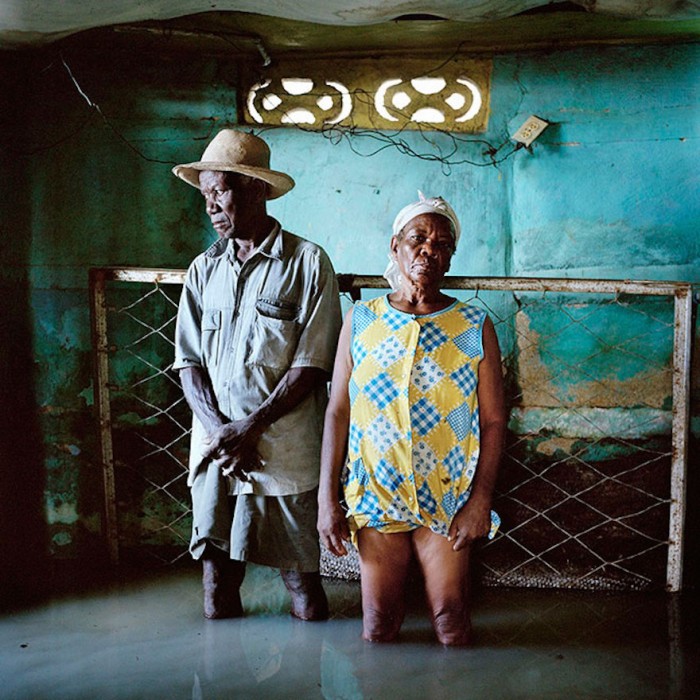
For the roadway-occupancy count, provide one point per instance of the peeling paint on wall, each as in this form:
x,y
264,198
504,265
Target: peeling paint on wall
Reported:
x,y
58,511
594,423
550,378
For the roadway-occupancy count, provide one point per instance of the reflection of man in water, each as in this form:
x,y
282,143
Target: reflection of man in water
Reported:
x,y
260,657
256,333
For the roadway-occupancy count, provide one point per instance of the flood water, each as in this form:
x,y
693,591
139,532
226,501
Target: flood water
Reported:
x,y
146,638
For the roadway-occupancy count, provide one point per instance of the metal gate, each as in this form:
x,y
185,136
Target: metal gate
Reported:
x,y
592,486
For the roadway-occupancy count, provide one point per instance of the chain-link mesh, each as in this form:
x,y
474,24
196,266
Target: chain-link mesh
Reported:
x,y
584,490
585,482
150,423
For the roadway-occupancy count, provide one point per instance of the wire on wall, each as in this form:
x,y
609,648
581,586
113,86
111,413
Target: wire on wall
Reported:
x,y
109,124
442,146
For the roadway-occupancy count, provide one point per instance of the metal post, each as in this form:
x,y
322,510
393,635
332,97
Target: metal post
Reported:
x,y
682,337
99,333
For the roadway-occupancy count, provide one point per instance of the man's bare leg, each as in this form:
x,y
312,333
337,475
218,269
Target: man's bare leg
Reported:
x,y
384,562
222,579
309,600
446,574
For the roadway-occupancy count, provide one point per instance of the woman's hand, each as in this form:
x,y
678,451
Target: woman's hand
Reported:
x,y
333,528
472,522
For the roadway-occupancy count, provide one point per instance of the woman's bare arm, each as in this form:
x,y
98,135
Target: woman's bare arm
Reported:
x,y
332,524
473,521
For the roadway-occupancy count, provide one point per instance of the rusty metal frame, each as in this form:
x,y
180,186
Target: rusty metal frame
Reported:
x,y
353,285
98,277
682,345
98,322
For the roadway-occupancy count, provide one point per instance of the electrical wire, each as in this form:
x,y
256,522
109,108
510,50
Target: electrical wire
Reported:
x,y
378,140
490,155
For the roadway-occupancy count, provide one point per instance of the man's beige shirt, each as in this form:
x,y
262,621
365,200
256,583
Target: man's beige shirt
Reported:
x,y
248,323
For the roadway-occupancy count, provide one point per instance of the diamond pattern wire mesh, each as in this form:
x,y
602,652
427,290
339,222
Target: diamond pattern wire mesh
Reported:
x,y
150,424
585,482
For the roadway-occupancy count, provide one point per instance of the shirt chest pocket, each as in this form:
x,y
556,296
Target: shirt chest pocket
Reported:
x,y
276,332
211,333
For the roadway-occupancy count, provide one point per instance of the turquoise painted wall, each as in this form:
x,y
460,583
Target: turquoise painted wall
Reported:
x,y
609,190
614,189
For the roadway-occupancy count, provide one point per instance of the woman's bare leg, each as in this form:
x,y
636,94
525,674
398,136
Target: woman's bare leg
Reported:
x,y
446,574
384,562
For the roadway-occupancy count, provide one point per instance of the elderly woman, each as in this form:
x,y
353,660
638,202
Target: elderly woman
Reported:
x,y
416,417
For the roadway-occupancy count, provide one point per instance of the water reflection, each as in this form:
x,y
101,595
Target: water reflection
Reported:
x,y
148,640
529,645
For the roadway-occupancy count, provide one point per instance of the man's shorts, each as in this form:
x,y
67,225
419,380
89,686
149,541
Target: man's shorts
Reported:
x,y
276,531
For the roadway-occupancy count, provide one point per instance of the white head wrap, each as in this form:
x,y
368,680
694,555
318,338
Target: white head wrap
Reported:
x,y
424,205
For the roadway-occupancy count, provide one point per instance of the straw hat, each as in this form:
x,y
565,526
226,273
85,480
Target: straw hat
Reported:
x,y
237,152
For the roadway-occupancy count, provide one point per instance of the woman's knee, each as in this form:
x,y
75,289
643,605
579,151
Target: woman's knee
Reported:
x,y
381,623
384,561
451,621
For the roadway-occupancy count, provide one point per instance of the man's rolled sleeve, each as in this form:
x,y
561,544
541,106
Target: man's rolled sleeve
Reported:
x,y
188,345
318,340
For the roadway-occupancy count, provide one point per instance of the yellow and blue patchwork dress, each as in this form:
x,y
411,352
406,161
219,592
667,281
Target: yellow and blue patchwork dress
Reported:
x,y
413,445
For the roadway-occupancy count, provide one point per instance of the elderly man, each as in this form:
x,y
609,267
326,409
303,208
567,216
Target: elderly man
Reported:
x,y
256,333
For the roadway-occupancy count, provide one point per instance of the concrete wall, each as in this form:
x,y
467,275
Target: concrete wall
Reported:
x,y
610,190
